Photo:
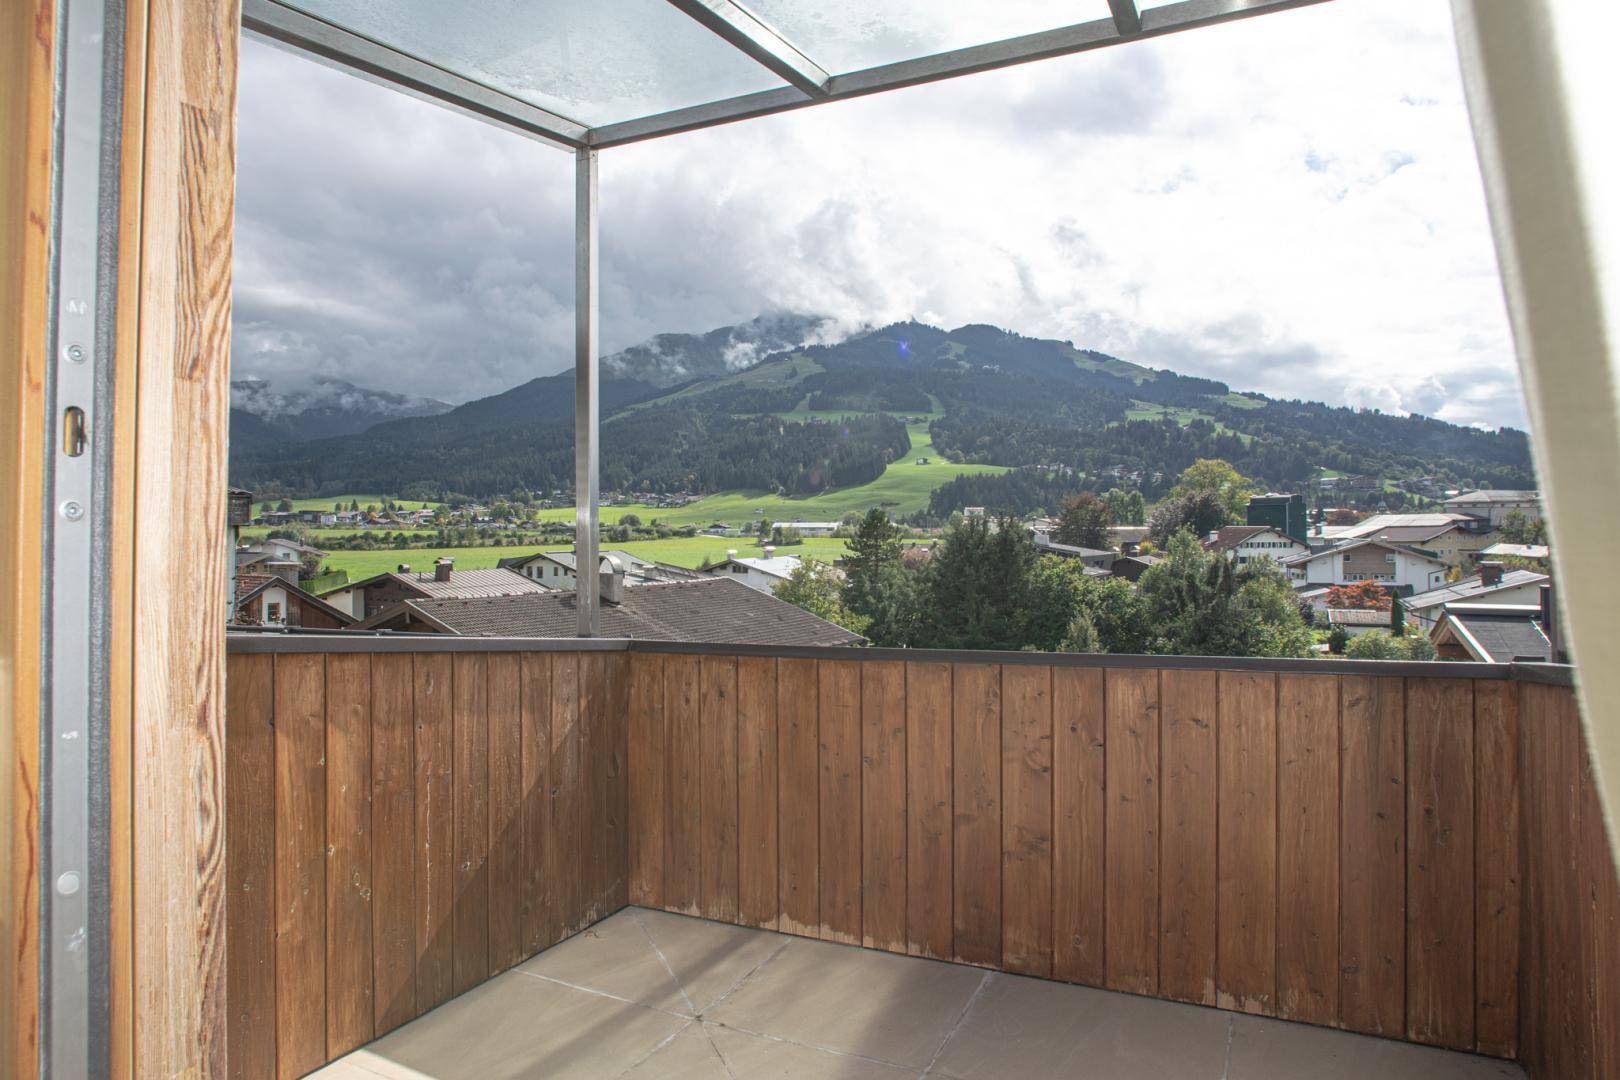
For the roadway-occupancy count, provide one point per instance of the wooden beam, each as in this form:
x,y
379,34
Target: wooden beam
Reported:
x,y
179,552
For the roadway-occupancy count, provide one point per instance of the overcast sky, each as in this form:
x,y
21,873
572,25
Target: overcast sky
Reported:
x,y
1290,203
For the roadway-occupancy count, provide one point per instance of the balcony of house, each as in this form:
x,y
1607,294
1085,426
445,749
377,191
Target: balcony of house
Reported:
x,y
485,857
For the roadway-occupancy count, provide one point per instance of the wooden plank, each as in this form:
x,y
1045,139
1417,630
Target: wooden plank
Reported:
x,y
435,835
470,799
1026,826
976,773
718,740
1372,855
618,823
840,800
1536,740
929,909
349,1008
1566,1033
250,911
300,705
393,839
799,795
1498,898
1079,807
1187,845
540,923
1246,948
683,865
563,849
649,775
1600,937
1308,848
1440,862
506,885
883,806
756,792
1132,843
594,824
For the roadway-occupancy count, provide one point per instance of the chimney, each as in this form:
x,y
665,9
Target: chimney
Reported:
x,y
1550,627
731,553
612,580
442,568
1490,573
770,550
404,568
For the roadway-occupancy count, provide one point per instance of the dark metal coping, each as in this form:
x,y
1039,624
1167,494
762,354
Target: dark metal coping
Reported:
x,y
351,642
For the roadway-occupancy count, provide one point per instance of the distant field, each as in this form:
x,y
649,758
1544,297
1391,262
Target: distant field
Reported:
x,y
691,552
1148,410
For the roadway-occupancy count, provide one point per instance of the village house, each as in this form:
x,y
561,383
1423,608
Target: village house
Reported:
x,y
555,569
1494,506
363,599
1249,542
1453,537
764,574
1401,569
271,600
1492,633
1492,585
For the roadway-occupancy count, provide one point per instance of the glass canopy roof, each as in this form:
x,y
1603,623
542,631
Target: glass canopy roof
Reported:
x,y
590,74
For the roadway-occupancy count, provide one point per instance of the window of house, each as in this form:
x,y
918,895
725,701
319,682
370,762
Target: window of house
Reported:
x,y
272,613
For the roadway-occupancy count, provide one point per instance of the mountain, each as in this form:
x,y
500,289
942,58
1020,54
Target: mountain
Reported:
x,y
671,359
263,415
1062,416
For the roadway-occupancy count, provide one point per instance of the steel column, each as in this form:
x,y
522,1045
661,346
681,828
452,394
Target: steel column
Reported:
x,y
587,404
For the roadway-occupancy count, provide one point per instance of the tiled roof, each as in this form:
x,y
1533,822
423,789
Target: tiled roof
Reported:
x,y
1228,537
1358,617
1494,495
1502,638
566,558
717,610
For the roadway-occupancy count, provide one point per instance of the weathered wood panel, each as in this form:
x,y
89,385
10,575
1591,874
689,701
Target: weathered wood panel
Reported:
x,y
1246,964
683,865
976,771
250,911
1131,872
1440,862
757,874
1079,809
393,840
1498,898
1026,824
649,780
799,796
840,762
929,803
538,890
1372,855
505,811
435,837
883,806
350,1019
1308,848
300,717
469,933
718,784
1187,848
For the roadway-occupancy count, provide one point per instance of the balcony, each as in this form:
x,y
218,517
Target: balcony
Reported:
x,y
487,857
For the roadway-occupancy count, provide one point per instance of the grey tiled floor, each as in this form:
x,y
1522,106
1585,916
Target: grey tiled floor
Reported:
x,y
647,995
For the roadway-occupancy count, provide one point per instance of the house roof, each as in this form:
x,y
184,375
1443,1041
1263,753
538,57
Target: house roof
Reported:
x,y
1228,537
1075,551
1496,633
294,544
1517,551
250,585
1334,549
776,566
1358,617
566,558
462,583
1490,495
717,610
1402,528
1472,587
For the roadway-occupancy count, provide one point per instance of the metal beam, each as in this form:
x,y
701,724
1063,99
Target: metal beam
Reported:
x,y
347,51
1081,37
749,34
587,400
1127,20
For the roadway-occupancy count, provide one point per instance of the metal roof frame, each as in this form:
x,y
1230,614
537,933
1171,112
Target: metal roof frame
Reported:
x,y
809,83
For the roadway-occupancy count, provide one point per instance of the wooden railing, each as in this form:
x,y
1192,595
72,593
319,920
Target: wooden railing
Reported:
x,y
1412,851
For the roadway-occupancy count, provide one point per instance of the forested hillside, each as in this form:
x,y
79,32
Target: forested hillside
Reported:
x,y
1074,418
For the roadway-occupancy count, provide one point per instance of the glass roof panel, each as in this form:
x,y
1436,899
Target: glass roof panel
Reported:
x,y
591,61
852,35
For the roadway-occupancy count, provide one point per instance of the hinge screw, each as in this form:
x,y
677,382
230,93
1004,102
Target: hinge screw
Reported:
x,y
72,510
75,353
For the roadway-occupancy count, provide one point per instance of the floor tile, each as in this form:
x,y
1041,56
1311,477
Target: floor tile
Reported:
x,y
1276,1050
1031,1028
516,1025
697,1052
893,1008
708,958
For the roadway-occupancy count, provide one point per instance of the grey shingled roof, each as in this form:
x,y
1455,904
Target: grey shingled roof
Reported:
x,y
1503,638
716,610
1471,588
464,584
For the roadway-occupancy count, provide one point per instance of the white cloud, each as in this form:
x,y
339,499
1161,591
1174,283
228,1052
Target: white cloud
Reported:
x,y
1290,203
